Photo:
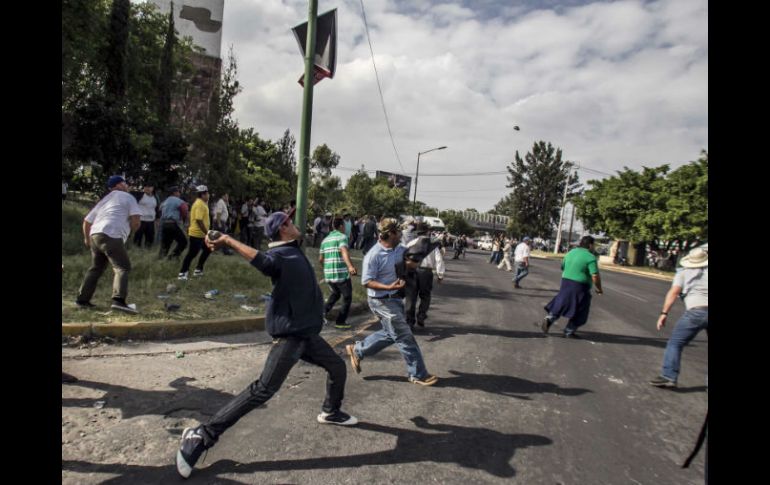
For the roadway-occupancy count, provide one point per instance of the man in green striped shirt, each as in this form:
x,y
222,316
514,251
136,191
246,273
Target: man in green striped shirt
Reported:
x,y
335,259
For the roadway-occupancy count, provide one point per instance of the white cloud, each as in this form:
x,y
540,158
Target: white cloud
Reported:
x,y
611,83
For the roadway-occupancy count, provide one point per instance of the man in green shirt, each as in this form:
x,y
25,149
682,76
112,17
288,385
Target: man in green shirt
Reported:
x,y
335,259
580,271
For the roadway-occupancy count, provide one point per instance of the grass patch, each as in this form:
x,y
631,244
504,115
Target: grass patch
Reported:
x,y
150,276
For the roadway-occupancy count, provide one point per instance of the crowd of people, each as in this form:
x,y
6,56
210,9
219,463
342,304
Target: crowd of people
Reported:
x,y
400,261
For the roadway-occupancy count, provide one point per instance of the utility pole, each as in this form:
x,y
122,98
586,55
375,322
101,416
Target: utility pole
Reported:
x,y
303,167
563,206
571,222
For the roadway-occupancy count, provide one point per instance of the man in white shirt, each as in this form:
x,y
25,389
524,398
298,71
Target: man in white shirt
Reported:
x,y
148,203
521,261
260,215
221,213
419,283
105,231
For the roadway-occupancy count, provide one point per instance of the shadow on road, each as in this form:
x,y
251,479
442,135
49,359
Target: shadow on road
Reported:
x,y
137,402
477,448
495,384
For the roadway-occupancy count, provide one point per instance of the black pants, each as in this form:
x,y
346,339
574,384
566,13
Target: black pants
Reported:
x,y
196,245
284,353
245,231
146,230
419,283
170,232
344,289
367,244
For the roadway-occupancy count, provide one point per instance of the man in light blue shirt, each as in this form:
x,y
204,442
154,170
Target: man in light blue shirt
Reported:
x,y
383,283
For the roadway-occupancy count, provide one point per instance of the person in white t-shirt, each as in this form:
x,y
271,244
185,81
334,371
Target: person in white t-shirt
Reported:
x,y
521,261
259,217
148,203
105,231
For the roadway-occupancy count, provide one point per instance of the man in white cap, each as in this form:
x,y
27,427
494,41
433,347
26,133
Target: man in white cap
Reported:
x,y
692,284
200,221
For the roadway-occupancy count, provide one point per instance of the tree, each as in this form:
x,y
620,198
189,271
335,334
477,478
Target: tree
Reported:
x,y
652,206
456,224
358,193
166,74
388,201
117,50
324,160
538,183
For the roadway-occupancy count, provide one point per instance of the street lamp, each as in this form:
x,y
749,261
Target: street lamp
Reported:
x,y
417,176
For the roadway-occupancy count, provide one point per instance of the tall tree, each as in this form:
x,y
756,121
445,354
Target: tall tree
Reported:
x,y
324,160
166,74
116,52
538,183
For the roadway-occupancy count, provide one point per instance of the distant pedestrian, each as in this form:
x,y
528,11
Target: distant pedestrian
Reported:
x,y
64,186
105,231
294,321
506,256
691,283
149,203
369,234
521,261
173,215
580,271
200,222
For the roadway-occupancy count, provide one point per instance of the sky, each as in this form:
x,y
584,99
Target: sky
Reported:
x,y
613,84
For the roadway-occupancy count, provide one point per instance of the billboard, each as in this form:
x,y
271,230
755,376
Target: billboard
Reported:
x,y
396,180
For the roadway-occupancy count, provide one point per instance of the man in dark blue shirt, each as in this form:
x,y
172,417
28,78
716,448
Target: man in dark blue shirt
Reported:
x,y
294,319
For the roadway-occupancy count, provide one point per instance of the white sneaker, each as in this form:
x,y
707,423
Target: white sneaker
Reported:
x,y
197,272
183,276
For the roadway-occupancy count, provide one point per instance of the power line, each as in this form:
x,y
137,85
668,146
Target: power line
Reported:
x,y
379,88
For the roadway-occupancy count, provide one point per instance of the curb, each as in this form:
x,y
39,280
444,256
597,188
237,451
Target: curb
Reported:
x,y
174,329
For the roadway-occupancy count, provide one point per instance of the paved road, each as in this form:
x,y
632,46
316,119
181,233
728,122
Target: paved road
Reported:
x,y
512,404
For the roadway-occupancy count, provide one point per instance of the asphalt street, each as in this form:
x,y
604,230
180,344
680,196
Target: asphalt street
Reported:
x,y
512,405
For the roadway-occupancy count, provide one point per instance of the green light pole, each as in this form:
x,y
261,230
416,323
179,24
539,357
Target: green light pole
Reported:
x,y
303,167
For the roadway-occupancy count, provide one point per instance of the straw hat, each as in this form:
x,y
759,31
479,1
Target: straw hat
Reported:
x,y
697,258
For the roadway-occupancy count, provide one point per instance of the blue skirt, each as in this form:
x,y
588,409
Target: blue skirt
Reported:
x,y
573,301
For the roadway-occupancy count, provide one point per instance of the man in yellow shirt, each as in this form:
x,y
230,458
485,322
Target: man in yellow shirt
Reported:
x,y
199,226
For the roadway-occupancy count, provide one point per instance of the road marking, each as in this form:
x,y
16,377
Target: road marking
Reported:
x,y
630,295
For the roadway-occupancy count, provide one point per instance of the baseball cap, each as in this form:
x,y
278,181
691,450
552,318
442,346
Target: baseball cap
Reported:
x,y
114,180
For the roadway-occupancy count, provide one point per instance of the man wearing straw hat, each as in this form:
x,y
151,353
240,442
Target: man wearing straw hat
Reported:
x,y
692,284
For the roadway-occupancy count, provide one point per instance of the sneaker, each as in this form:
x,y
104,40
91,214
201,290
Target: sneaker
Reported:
x,y
198,272
84,304
337,417
661,381
545,325
425,381
572,335
421,323
190,449
343,326
183,276
124,307
354,360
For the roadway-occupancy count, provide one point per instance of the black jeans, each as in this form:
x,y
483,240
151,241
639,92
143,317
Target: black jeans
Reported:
x,y
284,353
245,231
146,230
196,245
418,283
170,232
344,289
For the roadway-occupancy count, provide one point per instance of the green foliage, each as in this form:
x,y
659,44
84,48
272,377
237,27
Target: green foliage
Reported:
x,y
538,183
324,160
388,201
456,223
652,205
358,194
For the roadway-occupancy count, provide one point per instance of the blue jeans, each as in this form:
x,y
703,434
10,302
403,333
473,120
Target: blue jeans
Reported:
x,y
692,322
522,270
394,330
